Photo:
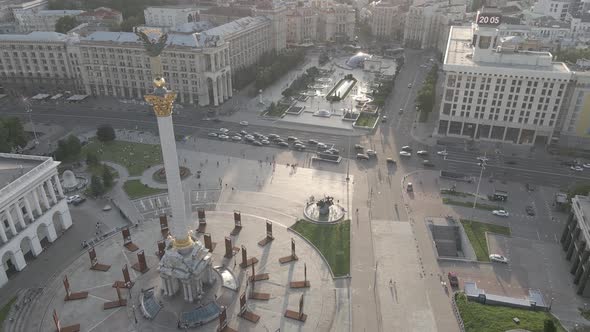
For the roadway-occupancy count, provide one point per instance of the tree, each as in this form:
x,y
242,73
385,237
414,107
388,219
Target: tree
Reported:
x,y
91,158
96,186
65,24
12,134
130,22
68,149
107,177
105,133
549,326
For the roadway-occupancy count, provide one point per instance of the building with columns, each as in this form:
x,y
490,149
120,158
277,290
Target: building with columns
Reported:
x,y
33,209
574,242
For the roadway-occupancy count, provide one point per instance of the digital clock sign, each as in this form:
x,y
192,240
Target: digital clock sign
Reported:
x,y
488,19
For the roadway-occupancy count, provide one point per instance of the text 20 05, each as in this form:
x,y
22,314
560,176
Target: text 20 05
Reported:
x,y
488,19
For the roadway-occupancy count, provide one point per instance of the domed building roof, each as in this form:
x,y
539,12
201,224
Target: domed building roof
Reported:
x,y
358,59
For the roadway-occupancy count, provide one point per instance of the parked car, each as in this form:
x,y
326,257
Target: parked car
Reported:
x,y
223,137
384,118
265,142
390,161
530,210
243,133
577,168
442,153
498,258
273,136
422,152
410,86
482,159
405,154
358,147
71,199
410,187
223,130
243,123
406,148
212,135
312,141
322,146
333,151
299,146
586,165
427,163
362,156
236,138
79,200
453,280
292,138
371,153
283,144
501,213
257,143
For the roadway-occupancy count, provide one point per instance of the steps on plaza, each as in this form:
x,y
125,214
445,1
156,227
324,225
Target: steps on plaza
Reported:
x,y
21,310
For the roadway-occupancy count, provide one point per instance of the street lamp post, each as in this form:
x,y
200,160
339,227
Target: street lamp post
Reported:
x,y
483,166
29,111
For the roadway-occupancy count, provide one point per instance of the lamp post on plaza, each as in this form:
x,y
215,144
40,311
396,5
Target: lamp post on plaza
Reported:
x,y
29,111
482,164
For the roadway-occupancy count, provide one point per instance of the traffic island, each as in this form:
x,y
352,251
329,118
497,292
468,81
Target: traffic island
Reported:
x,y
476,232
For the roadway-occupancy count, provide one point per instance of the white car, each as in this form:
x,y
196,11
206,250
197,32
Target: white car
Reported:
x,y
71,199
406,148
576,168
223,137
410,86
442,153
371,153
243,123
586,165
482,159
405,154
223,130
322,146
212,135
422,152
501,213
498,258
236,138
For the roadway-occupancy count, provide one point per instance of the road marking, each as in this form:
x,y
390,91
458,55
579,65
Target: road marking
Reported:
x,y
525,170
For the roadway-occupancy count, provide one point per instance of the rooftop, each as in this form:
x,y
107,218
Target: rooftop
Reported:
x,y
14,166
57,12
460,53
36,36
237,25
194,40
228,11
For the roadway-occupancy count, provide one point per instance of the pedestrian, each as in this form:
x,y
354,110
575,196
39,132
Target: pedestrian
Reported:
x,y
232,188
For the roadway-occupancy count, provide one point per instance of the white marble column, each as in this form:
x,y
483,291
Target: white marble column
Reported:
x,y
229,86
190,292
215,98
60,190
36,202
219,91
19,260
185,291
3,277
51,234
19,214
4,239
28,208
223,82
36,248
44,198
10,221
51,190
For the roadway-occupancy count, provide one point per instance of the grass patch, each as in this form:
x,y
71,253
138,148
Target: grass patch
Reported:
x,y
5,310
136,157
486,318
135,189
480,206
585,313
332,240
423,117
366,120
476,233
277,109
455,193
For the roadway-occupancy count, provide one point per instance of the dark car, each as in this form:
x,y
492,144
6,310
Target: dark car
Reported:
x,y
530,210
427,163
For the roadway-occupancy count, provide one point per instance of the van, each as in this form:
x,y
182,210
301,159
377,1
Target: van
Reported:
x,y
410,187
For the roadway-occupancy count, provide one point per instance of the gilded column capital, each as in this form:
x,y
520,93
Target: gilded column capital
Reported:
x,y
163,105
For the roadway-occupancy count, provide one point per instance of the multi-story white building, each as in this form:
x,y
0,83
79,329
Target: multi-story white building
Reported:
x,y
427,25
277,14
196,66
222,15
248,39
167,17
337,22
580,26
17,10
495,90
302,26
557,9
575,129
42,20
33,209
39,59
384,19
101,19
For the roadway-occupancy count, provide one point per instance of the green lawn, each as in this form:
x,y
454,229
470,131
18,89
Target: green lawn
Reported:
x,y
455,193
4,311
278,110
136,157
476,233
135,189
481,206
486,318
366,120
332,240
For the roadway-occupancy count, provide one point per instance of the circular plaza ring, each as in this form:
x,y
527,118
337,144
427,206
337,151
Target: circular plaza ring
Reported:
x,y
323,210
160,174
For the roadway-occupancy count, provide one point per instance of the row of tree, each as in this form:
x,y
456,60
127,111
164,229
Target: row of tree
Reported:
x,y
426,96
572,55
268,69
382,92
12,134
69,149
302,82
132,9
